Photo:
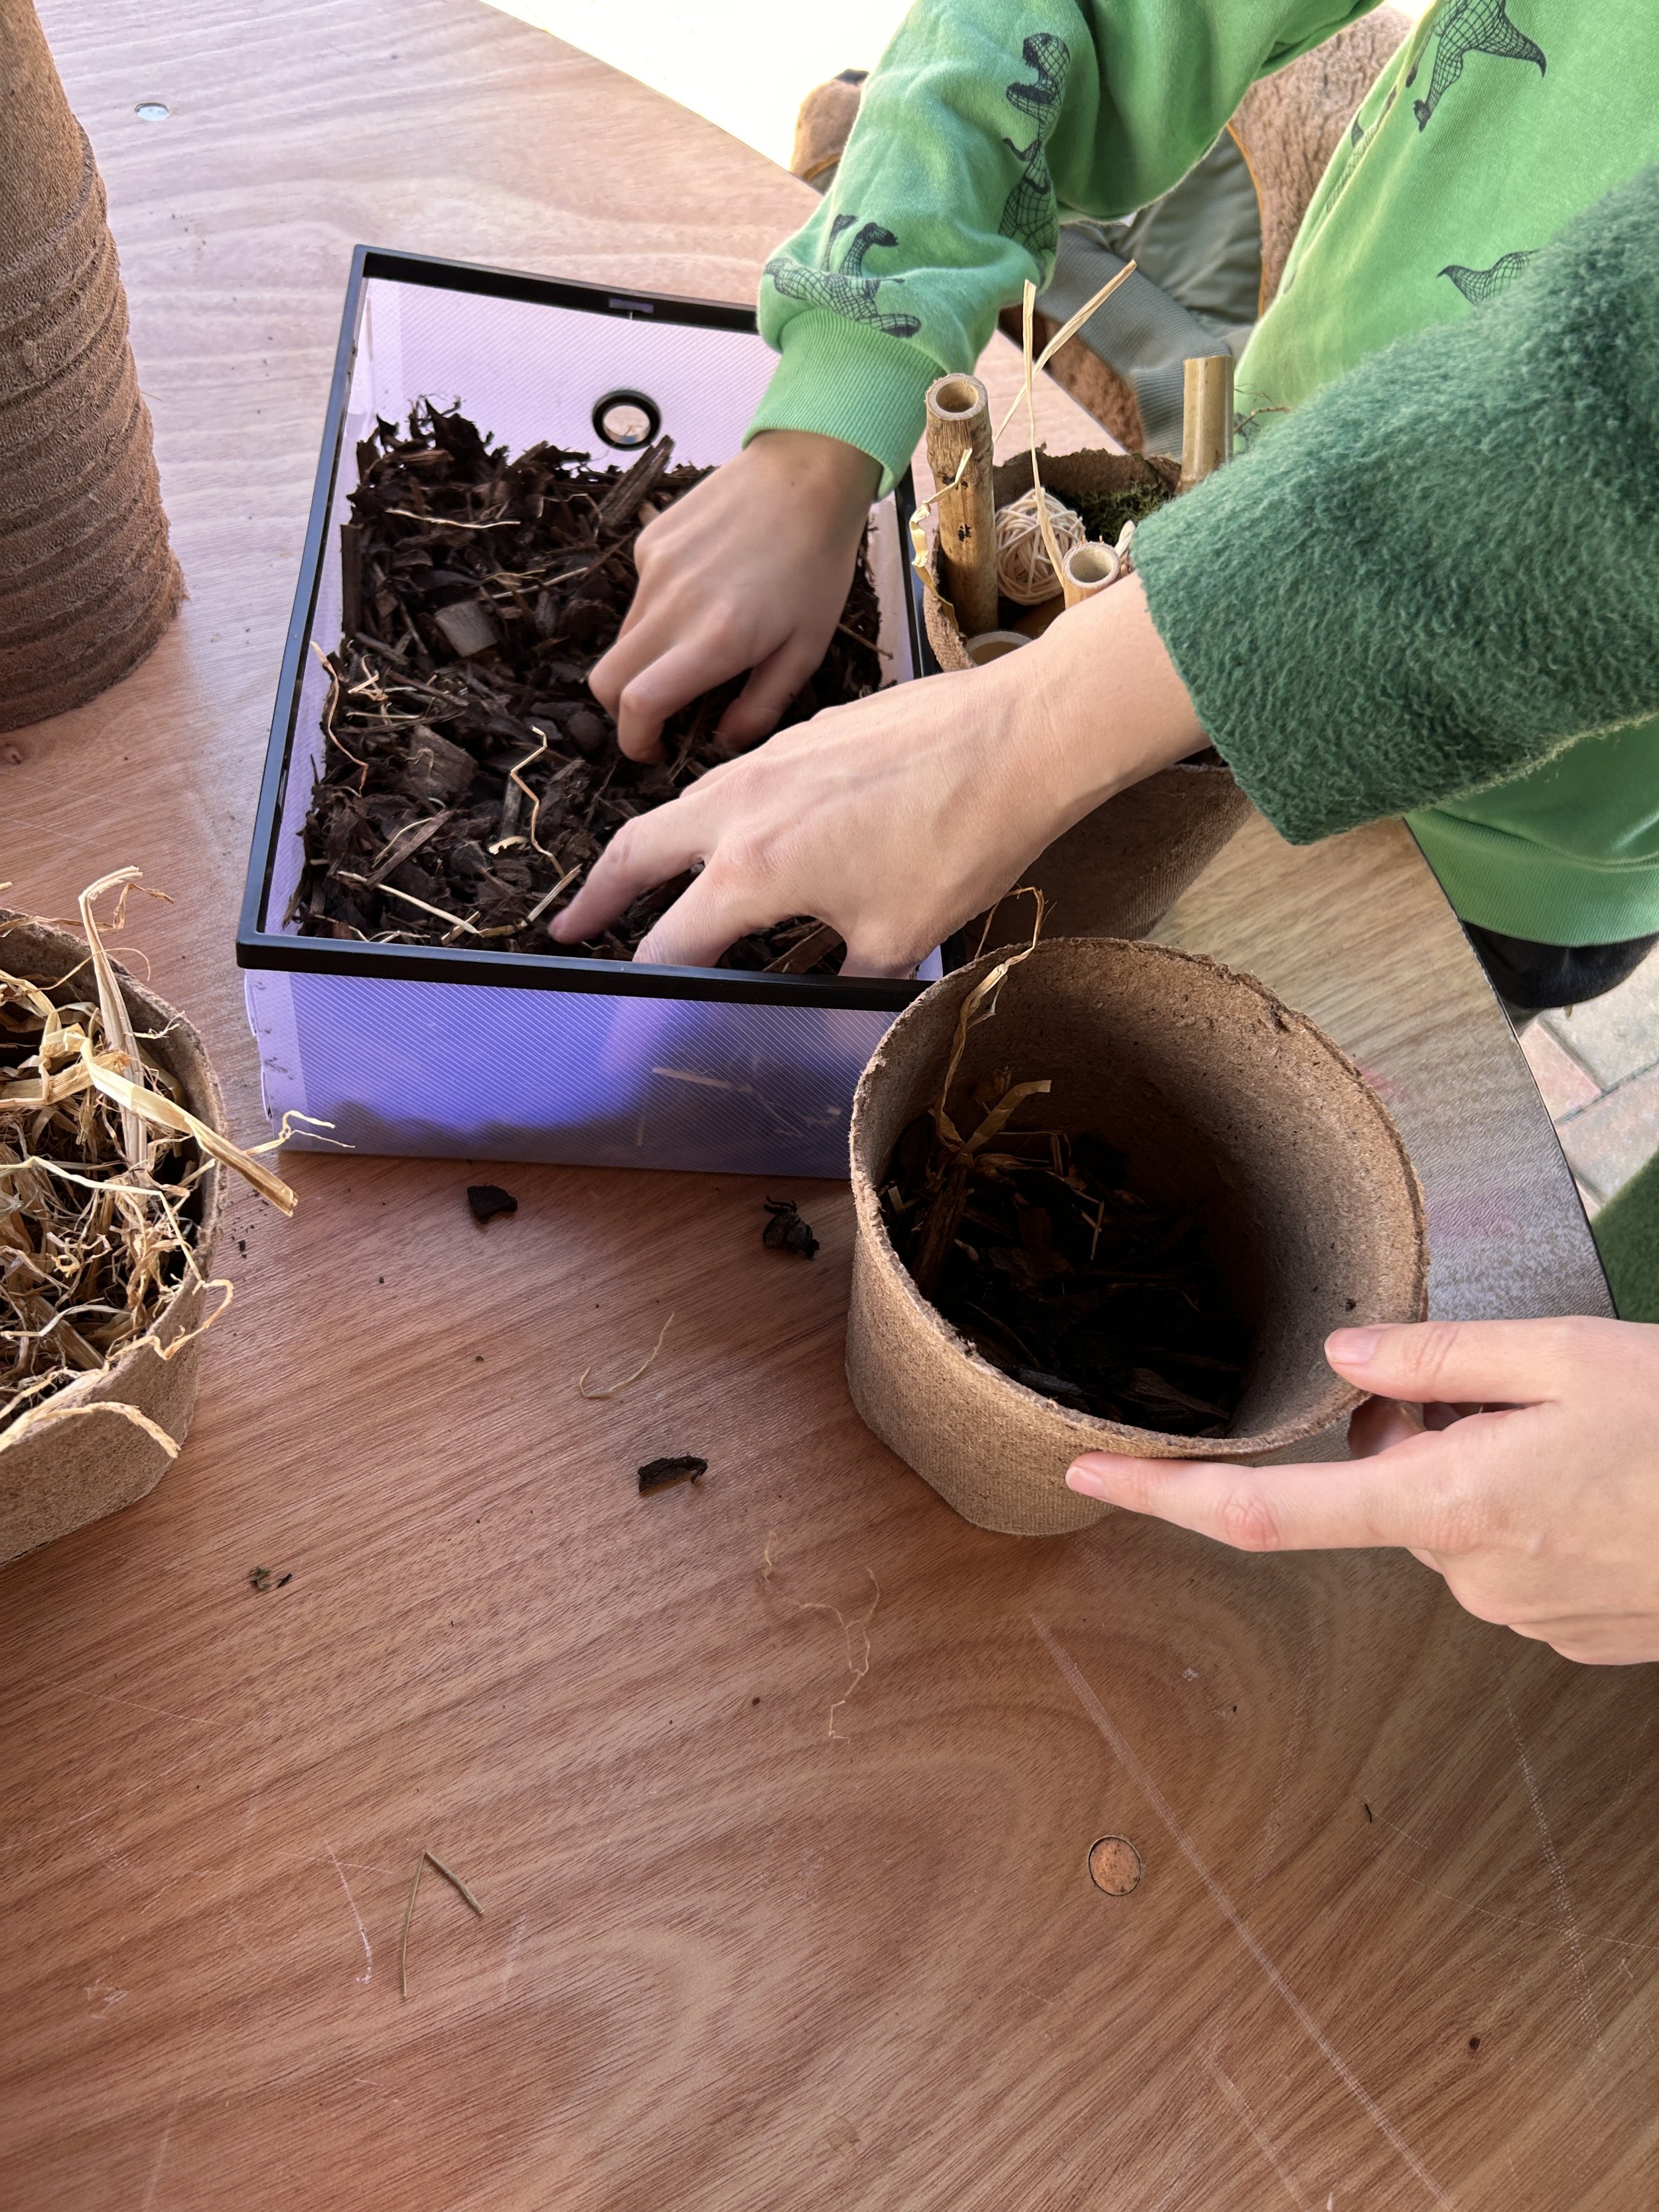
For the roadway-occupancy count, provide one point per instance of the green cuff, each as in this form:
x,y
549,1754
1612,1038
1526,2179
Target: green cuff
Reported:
x,y
847,382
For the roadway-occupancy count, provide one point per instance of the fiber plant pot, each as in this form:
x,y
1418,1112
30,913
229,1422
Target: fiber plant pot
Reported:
x,y
1221,1099
1118,871
76,1464
88,582
1066,474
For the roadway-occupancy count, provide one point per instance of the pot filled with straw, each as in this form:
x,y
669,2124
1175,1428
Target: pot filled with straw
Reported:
x,y
1112,1197
111,1145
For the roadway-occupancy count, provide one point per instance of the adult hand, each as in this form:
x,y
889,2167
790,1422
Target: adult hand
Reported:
x,y
750,570
1533,1485
898,819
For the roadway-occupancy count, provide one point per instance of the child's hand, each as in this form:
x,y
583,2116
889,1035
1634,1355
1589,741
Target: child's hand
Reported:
x,y
1542,1515
750,570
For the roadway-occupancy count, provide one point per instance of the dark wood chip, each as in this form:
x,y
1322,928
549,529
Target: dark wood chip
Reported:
x,y
786,1232
487,1200
664,1474
1040,1250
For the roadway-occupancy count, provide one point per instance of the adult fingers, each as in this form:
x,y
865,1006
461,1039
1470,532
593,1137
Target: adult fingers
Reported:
x,y
643,853
753,715
1516,1362
1603,1639
868,956
1337,1507
702,922
1379,1425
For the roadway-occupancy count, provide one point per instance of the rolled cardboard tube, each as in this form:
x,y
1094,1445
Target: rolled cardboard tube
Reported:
x,y
992,644
959,455
1089,569
1207,423
90,583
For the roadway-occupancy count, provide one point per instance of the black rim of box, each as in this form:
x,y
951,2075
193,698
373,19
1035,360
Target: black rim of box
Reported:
x,y
259,947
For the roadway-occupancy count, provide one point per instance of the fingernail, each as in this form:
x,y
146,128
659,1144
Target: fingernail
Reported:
x,y
1085,1482
1354,1346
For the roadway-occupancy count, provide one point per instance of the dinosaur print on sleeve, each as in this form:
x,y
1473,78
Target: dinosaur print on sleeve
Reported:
x,y
846,290
1478,285
1472,26
1030,216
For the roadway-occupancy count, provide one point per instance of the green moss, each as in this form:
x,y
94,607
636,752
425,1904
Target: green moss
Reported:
x,y
1104,512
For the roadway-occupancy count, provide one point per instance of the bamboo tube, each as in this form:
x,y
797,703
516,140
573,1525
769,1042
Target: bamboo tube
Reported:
x,y
1206,427
992,644
1089,569
958,426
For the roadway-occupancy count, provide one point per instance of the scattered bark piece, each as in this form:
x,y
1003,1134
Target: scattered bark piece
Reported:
x,y
487,1200
664,1474
786,1232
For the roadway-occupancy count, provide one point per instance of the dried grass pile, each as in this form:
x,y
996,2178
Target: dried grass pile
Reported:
x,y
102,1170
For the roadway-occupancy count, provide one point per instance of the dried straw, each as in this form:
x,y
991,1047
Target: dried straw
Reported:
x,y
611,1390
921,556
99,1166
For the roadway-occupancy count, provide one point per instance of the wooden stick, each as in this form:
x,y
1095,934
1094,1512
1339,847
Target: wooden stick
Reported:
x,y
959,455
1207,425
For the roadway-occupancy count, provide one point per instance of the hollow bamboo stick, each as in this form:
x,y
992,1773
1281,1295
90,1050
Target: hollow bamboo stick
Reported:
x,y
1089,569
992,644
959,455
1206,426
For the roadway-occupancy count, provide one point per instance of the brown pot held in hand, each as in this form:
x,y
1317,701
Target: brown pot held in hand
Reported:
x,y
88,582
1227,1107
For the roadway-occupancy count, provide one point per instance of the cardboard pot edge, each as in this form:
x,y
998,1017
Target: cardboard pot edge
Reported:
x,y
1058,1429
61,1479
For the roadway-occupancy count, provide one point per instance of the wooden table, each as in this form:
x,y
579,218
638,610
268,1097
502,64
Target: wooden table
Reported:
x,y
1392,1945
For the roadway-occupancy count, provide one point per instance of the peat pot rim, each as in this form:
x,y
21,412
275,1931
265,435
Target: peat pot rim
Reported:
x,y
1087,1431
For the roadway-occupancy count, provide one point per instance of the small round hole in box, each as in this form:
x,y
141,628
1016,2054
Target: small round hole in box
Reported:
x,y
627,420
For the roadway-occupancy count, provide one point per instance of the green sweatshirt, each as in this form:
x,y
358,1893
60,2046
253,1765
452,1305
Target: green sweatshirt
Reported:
x,y
1425,589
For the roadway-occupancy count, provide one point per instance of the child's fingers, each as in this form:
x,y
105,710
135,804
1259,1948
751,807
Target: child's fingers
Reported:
x,y
753,714
665,684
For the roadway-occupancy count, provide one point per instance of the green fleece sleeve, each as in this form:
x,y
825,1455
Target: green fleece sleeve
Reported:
x,y
1627,1236
981,122
1438,571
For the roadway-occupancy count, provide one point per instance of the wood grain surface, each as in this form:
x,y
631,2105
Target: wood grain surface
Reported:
x,y
1393,1943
